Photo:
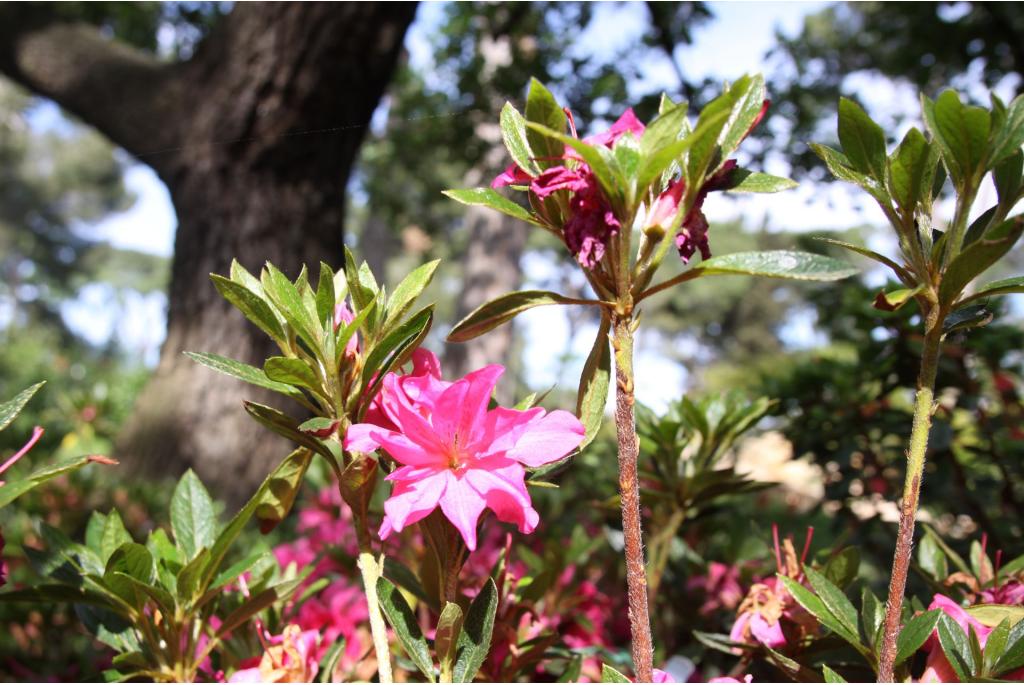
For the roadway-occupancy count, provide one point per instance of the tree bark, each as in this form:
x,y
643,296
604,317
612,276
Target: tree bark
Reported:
x,y
255,137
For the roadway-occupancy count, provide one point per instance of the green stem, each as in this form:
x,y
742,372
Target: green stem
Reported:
x,y
629,489
911,496
371,570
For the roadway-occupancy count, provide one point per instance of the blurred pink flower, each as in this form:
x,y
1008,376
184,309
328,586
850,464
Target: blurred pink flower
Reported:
x,y
458,455
720,587
726,679
1009,592
291,659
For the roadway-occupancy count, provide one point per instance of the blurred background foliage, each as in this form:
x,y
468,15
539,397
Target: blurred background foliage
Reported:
x,y
839,371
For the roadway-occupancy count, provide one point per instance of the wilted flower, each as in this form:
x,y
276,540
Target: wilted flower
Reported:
x,y
768,605
458,455
289,658
591,222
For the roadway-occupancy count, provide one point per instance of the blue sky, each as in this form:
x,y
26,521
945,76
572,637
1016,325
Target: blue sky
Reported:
x,y
733,44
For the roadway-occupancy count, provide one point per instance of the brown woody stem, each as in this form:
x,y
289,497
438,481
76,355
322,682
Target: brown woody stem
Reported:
x,y
629,489
911,496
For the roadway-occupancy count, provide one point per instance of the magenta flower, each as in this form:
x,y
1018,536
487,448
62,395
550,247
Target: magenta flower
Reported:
x,y
343,315
726,679
591,221
458,455
720,588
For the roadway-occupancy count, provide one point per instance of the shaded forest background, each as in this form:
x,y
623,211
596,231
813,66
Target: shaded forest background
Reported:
x,y
283,131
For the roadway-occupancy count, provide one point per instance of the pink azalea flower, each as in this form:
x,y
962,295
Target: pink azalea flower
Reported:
x,y
512,176
720,587
291,659
627,123
457,455
726,679
344,315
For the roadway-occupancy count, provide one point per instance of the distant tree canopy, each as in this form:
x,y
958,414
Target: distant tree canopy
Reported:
x,y
930,45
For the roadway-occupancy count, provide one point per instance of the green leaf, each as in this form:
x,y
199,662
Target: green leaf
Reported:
x,y
292,372
402,576
842,568
872,614
409,289
243,372
746,181
285,426
543,109
915,633
488,197
325,296
834,599
1005,286
978,257
893,300
329,663
94,531
258,603
610,675
1007,178
932,559
50,593
802,266
748,97
251,305
11,491
401,617
271,503
1010,135
962,132
911,169
972,316
992,615
192,517
995,645
513,132
134,561
191,581
956,648
862,139
817,608
842,168
396,347
1013,656
290,303
10,409
475,638
114,535
661,159
449,624
501,310
902,273
594,381
361,293
831,676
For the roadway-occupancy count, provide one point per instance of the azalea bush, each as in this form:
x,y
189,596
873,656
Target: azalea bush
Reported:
x,y
443,537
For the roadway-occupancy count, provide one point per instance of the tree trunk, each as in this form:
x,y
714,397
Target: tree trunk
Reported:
x,y
255,137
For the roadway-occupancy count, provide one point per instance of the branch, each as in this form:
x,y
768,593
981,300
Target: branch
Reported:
x,y
125,93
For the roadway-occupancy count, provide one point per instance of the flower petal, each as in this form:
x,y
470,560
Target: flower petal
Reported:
x,y
358,437
406,451
462,505
503,489
548,439
411,500
461,409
